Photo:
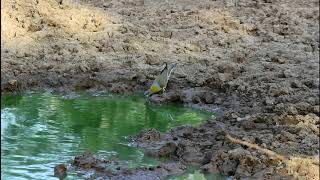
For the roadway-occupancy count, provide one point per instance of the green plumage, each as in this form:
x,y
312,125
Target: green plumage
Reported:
x,y
161,80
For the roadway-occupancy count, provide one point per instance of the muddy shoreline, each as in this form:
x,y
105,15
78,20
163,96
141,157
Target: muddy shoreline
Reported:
x,y
258,61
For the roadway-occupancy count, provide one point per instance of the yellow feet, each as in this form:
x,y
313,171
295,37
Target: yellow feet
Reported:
x,y
163,89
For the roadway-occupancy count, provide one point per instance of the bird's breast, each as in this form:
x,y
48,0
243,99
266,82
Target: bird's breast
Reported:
x,y
155,88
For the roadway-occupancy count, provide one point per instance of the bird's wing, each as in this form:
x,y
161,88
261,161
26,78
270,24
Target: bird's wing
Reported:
x,y
165,75
162,78
170,70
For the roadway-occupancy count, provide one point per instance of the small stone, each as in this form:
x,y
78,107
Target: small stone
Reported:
x,y
295,84
278,60
244,118
289,120
223,77
286,136
209,98
269,101
12,82
303,107
311,100
150,135
242,88
83,68
218,101
292,110
60,171
287,74
168,149
316,109
196,99
281,61
209,168
279,107
232,115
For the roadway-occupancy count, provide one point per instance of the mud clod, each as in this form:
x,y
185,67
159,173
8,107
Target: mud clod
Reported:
x,y
60,171
94,167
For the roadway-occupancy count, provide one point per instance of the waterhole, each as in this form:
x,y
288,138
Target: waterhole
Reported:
x,y
41,130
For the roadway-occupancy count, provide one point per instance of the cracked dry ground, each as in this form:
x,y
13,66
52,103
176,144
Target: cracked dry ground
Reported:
x,y
256,60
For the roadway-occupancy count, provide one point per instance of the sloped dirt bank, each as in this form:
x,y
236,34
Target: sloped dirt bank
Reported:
x,y
258,61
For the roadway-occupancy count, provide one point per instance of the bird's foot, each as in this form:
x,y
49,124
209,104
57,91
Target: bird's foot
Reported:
x,y
163,90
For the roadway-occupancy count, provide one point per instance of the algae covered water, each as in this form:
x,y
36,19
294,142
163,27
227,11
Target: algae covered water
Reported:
x,y
41,130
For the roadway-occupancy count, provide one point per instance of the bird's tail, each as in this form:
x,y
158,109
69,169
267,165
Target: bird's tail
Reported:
x,y
172,66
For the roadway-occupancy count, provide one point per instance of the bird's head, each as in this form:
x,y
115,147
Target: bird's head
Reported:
x,y
147,93
165,66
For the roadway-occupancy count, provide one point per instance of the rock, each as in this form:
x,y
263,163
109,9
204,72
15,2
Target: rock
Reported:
x,y
289,120
278,60
149,135
303,107
296,84
287,74
83,67
218,101
166,150
223,77
312,100
166,97
119,88
269,101
286,136
209,98
292,110
311,83
12,82
60,171
174,168
196,99
279,107
209,168
232,115
192,95
316,110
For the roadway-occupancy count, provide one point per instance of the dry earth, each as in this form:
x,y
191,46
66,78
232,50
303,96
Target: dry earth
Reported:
x,y
256,60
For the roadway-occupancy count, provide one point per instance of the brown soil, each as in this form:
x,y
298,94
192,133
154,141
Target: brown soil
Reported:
x,y
256,60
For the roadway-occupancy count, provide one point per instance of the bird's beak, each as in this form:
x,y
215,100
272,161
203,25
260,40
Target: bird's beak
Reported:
x,y
147,93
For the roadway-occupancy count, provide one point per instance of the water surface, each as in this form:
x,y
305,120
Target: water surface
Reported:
x,y
41,130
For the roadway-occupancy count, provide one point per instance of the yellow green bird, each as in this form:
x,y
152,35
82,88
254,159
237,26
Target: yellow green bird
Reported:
x,y
161,81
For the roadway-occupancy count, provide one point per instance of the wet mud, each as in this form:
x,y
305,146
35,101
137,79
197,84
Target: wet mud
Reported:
x,y
92,167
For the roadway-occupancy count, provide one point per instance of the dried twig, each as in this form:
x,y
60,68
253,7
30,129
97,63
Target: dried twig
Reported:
x,y
254,146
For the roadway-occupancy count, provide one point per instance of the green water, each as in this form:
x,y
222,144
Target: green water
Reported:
x,y
39,131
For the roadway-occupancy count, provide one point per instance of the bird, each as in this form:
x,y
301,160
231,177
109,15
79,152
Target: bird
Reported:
x,y
161,81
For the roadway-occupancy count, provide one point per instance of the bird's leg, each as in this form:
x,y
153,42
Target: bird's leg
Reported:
x,y
163,89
